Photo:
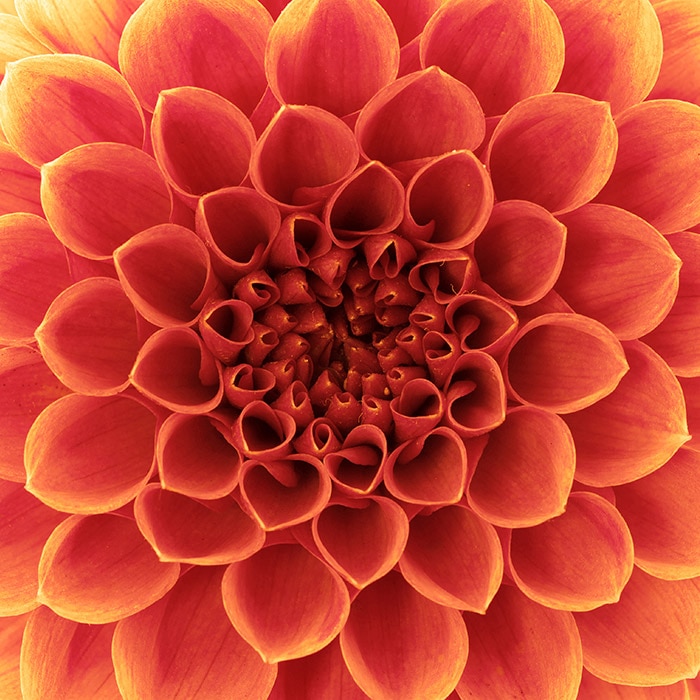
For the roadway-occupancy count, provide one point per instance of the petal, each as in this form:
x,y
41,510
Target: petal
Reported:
x,y
577,561
226,329
409,18
613,49
19,184
16,41
11,631
417,409
99,568
284,602
691,393
526,470
97,196
33,270
262,432
556,150
89,454
355,42
202,43
521,649
634,430
184,646
657,171
651,637
66,659
446,274
504,51
593,688
395,643
83,99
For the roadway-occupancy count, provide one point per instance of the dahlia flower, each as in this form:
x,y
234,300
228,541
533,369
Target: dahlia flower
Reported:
x,y
350,349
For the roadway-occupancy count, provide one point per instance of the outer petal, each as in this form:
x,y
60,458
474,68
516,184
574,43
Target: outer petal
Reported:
x,y
651,637
19,184
84,100
556,150
66,659
15,41
521,649
592,688
691,393
11,630
203,43
396,643
183,646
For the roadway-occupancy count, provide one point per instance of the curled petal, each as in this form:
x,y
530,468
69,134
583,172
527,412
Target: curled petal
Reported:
x,y
355,42
16,41
521,649
83,99
73,435
184,646
504,51
99,568
634,430
319,438
443,273
526,470
285,602
19,185
657,171
417,410
394,642
651,637
202,43
300,239
592,688
245,383
99,195
262,432
564,362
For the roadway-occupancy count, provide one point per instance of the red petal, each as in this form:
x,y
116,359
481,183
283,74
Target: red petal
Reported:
x,y
354,42
183,646
90,454
262,432
593,688
446,274
409,18
526,470
83,99
577,561
11,630
691,393
417,409
634,430
97,196
202,43
657,171
396,643
521,649
651,637
66,659
556,150
19,186
284,602
15,40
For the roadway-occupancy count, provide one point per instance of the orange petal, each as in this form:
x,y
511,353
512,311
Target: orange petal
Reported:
x,y
232,64
564,362
201,141
395,643
661,511
66,659
25,525
83,99
183,646
504,51
651,637
99,195
593,688
89,337
33,270
75,434
11,631
521,649
16,41
691,393
577,561
446,274
355,42
613,49
263,432
82,28
285,602
556,150
99,568
417,409
634,430
453,558
657,171
526,470
19,186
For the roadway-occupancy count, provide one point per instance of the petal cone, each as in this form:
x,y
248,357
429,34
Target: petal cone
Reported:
x,y
19,186
355,42
66,659
83,99
183,646
285,602
504,51
651,637
556,150
89,454
395,643
521,649
593,688
202,43
11,631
